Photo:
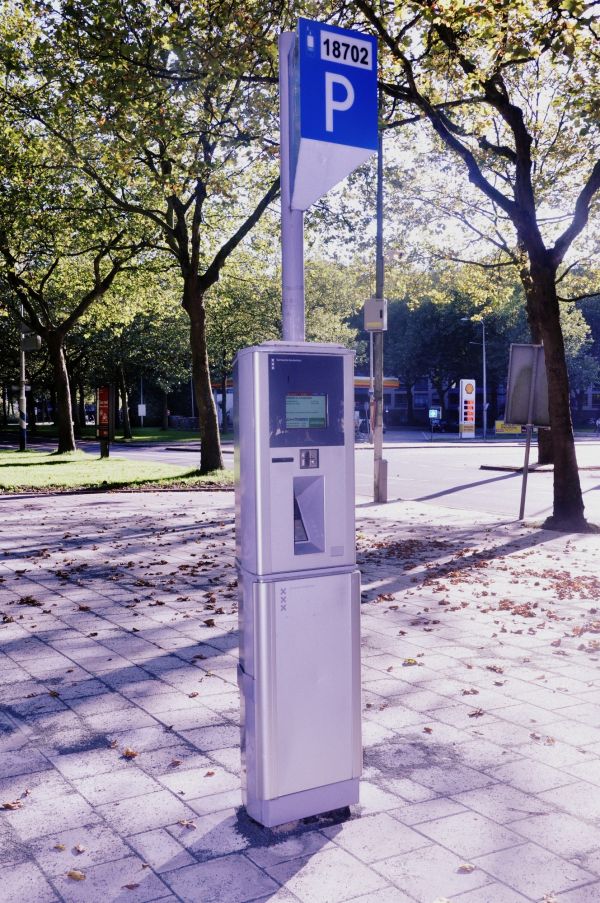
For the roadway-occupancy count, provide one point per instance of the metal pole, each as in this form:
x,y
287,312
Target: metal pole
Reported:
x,y
141,398
371,388
484,386
22,393
292,221
534,369
379,464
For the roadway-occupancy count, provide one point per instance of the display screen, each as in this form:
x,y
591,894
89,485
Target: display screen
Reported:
x,y
305,412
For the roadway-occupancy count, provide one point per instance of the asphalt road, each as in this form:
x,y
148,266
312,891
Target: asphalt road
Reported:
x,y
449,474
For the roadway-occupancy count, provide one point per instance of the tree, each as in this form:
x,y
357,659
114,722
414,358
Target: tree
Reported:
x,y
53,271
139,333
465,69
165,108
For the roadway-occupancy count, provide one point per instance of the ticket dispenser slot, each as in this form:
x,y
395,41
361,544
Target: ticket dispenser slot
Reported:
x,y
309,515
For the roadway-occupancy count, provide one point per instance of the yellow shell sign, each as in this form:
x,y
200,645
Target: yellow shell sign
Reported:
x,y
469,388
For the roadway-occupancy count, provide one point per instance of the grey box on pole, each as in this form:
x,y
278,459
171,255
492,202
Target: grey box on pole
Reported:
x,y
375,315
299,670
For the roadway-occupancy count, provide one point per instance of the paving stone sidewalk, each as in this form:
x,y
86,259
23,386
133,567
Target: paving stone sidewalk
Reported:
x,y
119,738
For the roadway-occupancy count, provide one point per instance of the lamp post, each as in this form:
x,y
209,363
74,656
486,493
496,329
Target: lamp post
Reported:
x,y
482,321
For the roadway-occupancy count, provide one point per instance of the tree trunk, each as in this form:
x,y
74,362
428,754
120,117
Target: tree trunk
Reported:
x,y
568,500
81,403
210,444
75,408
124,404
165,411
4,405
66,436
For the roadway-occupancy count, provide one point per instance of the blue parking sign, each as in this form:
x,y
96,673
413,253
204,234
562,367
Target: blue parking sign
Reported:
x,y
334,117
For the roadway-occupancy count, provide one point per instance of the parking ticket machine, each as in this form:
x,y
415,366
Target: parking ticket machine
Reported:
x,y
299,670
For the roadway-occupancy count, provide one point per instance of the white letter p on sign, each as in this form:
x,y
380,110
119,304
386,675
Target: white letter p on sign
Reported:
x,y
332,79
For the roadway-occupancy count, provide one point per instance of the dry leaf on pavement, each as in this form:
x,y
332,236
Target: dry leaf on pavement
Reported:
x,y
76,875
129,753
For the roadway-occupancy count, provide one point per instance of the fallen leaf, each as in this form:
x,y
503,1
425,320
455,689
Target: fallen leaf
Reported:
x,y
79,849
15,804
409,661
175,762
187,823
428,730
60,847
113,744
131,886
477,713
129,753
466,868
193,695
76,875
209,774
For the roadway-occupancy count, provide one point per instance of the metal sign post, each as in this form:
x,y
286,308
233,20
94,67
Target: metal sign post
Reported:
x,y
22,398
103,419
380,493
292,221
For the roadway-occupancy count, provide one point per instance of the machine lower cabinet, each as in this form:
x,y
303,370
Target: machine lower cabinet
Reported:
x,y
299,677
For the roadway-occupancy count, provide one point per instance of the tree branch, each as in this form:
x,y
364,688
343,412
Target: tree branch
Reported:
x,y
211,274
580,217
579,297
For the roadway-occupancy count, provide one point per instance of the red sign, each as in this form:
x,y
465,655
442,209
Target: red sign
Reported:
x,y
103,412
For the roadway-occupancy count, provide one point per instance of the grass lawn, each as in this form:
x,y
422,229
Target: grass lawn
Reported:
x,y
140,434
41,471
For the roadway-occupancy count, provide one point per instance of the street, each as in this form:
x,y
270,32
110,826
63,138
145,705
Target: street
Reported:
x,y
449,474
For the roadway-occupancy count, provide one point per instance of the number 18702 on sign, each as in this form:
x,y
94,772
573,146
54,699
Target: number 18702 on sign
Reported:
x,y
346,50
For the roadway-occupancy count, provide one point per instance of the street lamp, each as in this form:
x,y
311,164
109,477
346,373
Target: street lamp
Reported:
x,y
469,320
